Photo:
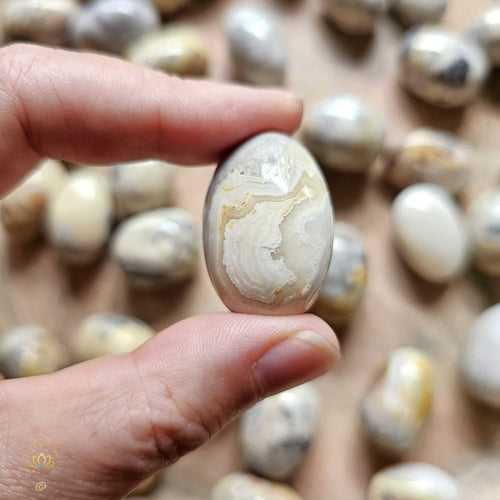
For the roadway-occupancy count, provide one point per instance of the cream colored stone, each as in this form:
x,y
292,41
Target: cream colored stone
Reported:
x,y
109,333
441,67
158,248
79,217
30,350
268,227
344,133
430,232
480,365
413,481
485,29
276,432
22,210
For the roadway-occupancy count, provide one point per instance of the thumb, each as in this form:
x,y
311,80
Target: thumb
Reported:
x,y
118,419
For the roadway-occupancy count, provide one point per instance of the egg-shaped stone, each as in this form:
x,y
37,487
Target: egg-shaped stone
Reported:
x,y
413,481
485,29
30,350
40,21
412,12
398,403
256,44
344,133
442,67
275,433
111,25
179,50
432,155
355,17
170,7
22,210
141,186
109,333
484,221
345,282
79,217
158,248
430,232
242,486
268,227
480,364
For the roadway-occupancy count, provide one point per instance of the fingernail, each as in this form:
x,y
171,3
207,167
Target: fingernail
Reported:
x,y
295,360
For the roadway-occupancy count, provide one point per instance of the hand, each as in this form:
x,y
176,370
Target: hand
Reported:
x,y
116,420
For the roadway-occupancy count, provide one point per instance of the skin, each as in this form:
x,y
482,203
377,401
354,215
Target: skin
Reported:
x,y
116,421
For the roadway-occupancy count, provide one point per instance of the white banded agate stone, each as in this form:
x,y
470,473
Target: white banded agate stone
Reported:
x,y
413,481
276,432
481,361
268,227
242,486
430,232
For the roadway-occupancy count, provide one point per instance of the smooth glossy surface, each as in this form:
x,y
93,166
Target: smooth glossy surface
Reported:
x,y
40,21
480,365
432,155
22,210
355,17
79,217
158,248
109,333
256,44
413,481
485,29
268,227
30,350
111,25
430,232
419,11
141,186
180,50
441,67
242,486
276,432
344,133
345,282
484,220
400,400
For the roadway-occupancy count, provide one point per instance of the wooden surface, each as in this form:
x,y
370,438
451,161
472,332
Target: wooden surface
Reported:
x,y
398,309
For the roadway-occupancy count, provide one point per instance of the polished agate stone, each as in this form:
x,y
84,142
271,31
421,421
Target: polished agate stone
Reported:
x,y
141,186
345,282
109,333
242,486
413,481
397,405
268,227
40,21
179,50
344,133
158,248
419,11
432,155
276,432
256,44
480,364
484,221
22,211
79,218
111,25
430,232
30,350
485,29
441,67
355,17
